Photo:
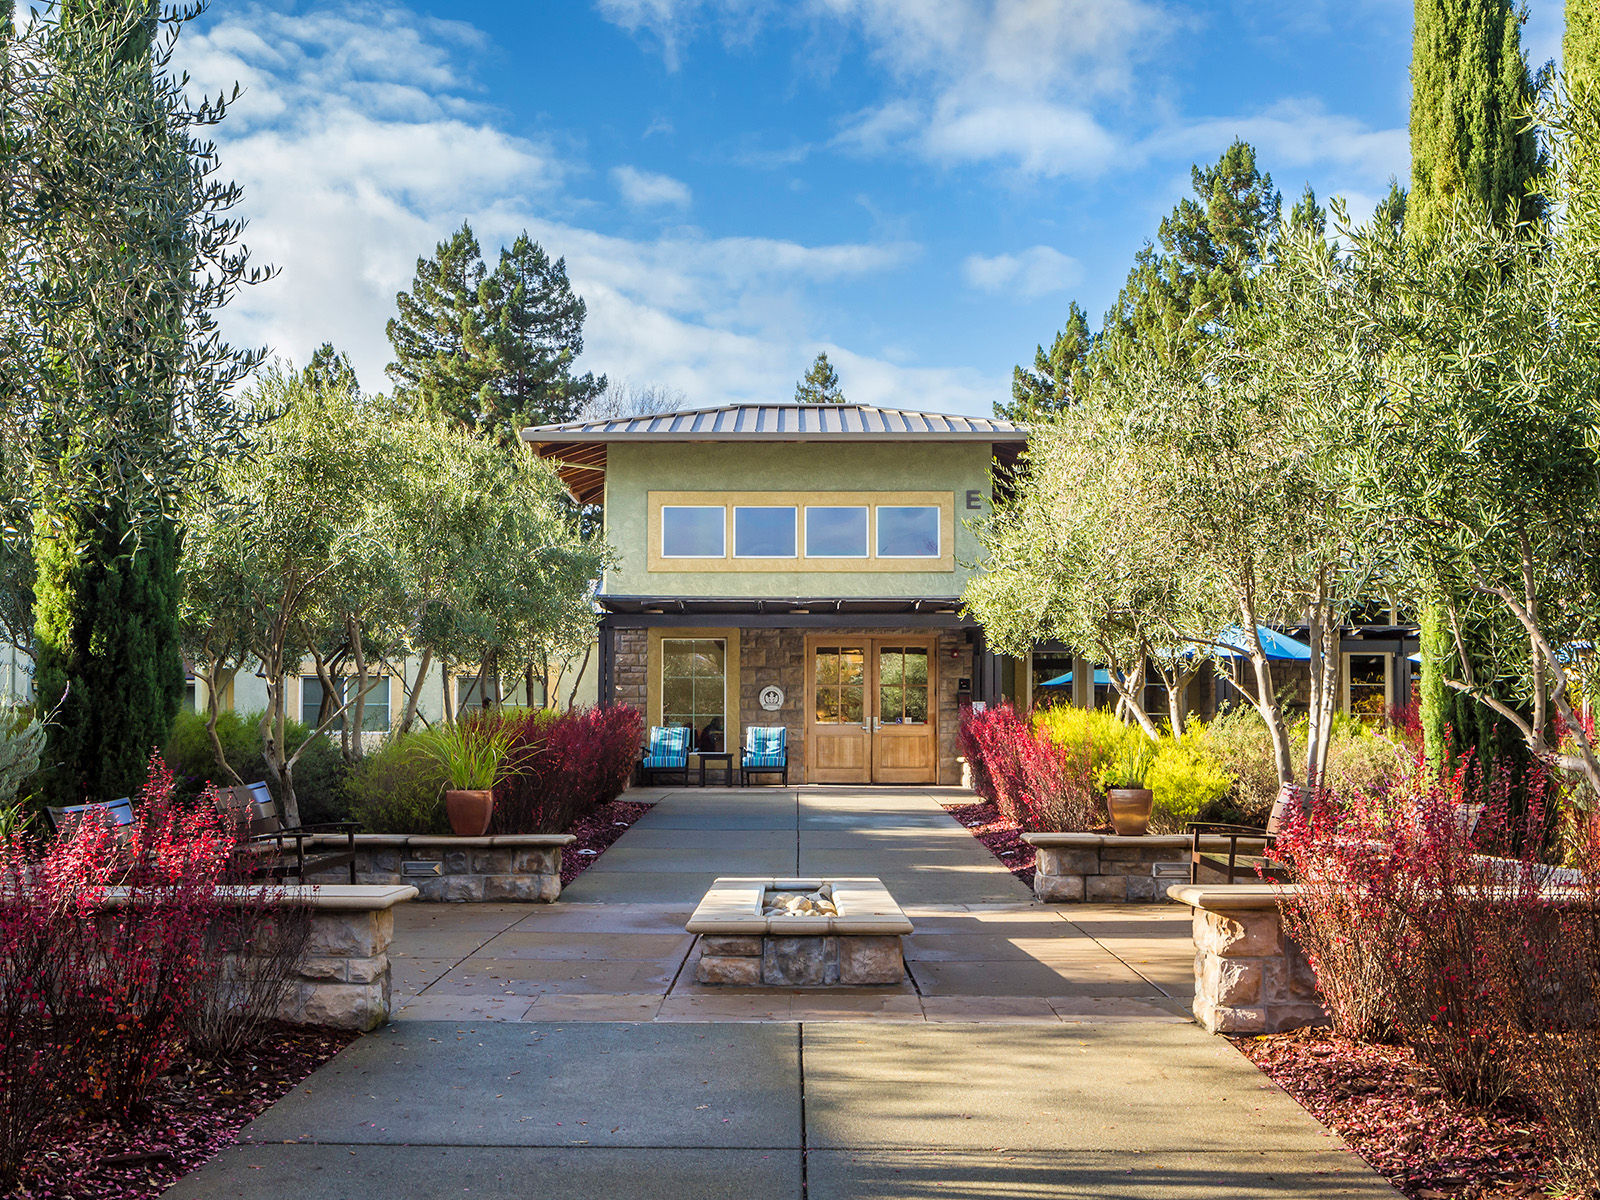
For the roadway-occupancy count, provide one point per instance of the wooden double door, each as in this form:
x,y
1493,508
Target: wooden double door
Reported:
x,y
873,709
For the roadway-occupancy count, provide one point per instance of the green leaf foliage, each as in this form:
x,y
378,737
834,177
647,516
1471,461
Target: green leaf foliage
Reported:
x,y
1049,387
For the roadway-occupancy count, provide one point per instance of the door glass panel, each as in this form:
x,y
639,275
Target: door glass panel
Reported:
x,y
839,673
903,685
1369,691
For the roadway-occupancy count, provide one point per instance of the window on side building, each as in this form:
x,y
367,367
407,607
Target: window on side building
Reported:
x,y
693,531
908,531
694,689
375,714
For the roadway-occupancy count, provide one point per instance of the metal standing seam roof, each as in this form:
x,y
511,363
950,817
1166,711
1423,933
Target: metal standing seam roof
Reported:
x,y
783,422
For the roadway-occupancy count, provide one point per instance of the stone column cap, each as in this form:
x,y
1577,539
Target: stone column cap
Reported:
x,y
1083,841
1234,897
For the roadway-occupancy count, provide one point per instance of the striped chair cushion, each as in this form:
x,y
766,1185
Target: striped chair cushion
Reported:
x,y
766,746
669,747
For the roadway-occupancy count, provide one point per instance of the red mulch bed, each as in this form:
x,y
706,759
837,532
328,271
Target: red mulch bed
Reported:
x,y
595,831
1389,1110
198,1109
1002,837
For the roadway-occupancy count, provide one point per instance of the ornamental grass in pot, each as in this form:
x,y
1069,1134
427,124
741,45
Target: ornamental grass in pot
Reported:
x,y
1128,800
473,757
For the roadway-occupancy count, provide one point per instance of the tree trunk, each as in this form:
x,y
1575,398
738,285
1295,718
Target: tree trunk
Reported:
x,y
572,696
414,693
356,721
214,676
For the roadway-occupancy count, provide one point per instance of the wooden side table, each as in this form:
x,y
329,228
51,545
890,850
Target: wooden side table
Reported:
x,y
722,757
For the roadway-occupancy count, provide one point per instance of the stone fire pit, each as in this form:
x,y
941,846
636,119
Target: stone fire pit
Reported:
x,y
799,933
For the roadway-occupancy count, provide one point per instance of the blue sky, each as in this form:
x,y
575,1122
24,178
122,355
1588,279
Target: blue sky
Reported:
x,y
917,186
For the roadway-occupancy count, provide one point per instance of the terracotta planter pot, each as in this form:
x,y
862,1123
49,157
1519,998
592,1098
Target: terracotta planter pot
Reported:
x,y
469,812
1130,810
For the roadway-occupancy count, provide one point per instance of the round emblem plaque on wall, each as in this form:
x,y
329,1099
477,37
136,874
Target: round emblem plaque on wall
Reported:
x,y
771,697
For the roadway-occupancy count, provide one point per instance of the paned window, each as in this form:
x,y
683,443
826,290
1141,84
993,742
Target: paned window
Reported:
x,y
694,689
1367,685
841,685
908,531
374,716
836,531
763,531
903,685
469,694
693,531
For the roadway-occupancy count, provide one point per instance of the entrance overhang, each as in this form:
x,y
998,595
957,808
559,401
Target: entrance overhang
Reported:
x,y
929,612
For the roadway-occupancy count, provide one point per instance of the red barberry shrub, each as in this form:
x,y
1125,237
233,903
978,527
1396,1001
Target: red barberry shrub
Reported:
x,y
1415,920
562,765
1036,783
972,751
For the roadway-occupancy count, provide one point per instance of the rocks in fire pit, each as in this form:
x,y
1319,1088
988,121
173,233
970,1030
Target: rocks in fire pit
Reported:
x,y
800,904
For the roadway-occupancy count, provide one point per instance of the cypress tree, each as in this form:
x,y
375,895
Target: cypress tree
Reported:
x,y
1470,144
106,591
1580,43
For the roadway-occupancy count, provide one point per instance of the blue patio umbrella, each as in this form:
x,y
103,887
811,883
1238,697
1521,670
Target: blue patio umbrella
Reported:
x,y
1279,647
1102,678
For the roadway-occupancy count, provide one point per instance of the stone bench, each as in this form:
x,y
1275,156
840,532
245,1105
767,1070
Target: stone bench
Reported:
x,y
1249,976
517,867
1106,867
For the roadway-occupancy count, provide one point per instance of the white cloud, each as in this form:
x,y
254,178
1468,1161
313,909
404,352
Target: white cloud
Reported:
x,y
1295,133
647,189
1034,272
354,163
1023,83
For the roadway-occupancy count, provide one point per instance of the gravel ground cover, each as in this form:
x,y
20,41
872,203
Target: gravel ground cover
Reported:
x,y
199,1109
1002,837
595,831
1389,1109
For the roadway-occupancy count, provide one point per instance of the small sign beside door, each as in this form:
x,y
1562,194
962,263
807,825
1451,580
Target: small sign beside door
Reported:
x,y
771,697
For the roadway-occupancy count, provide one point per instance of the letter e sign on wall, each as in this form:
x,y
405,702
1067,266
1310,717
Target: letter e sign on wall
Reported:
x,y
974,499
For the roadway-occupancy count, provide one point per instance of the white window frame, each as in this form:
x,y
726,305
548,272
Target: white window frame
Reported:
x,y
866,534
723,525
792,509
938,532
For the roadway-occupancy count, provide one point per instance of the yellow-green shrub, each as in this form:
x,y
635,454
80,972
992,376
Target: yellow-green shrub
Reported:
x,y
1097,728
1186,778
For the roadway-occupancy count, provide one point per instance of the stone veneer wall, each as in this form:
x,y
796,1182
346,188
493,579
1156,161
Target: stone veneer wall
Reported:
x,y
768,656
1249,976
343,981
1102,868
818,960
517,867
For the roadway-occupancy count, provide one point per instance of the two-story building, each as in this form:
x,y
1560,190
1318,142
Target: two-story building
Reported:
x,y
802,565
796,565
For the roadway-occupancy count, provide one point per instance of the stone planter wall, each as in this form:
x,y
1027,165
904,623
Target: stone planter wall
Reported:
x,y
515,867
1249,977
1097,868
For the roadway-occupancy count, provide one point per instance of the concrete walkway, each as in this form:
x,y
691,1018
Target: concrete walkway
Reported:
x,y
565,1052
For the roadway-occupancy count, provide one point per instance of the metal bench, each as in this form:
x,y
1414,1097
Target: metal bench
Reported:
x,y
281,850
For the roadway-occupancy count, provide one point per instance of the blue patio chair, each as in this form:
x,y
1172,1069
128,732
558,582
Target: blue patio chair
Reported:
x,y
668,751
119,812
766,752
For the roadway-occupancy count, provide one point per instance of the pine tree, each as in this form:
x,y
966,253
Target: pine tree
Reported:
x,y
820,385
1209,246
1469,145
444,359
1048,387
535,324
492,351
330,370
1580,43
